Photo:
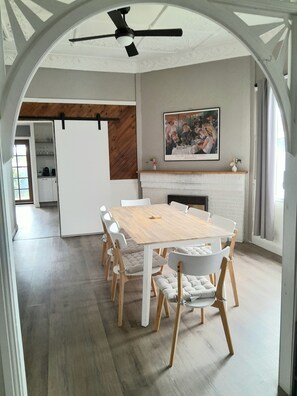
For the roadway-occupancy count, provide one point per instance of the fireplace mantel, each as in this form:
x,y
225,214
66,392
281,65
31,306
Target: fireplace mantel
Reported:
x,y
192,172
225,190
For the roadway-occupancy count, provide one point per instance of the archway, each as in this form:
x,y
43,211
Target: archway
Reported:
x,y
64,18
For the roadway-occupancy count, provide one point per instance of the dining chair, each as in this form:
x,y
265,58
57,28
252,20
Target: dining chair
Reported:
x,y
102,211
132,246
189,287
230,226
128,266
201,214
135,202
179,206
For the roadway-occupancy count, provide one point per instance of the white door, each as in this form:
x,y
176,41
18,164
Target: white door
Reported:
x,y
83,177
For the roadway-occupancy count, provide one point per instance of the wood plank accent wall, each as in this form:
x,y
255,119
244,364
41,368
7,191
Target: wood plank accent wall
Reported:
x,y
121,135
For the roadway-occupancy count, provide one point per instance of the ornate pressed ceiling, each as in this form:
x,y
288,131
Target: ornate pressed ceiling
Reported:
x,y
32,27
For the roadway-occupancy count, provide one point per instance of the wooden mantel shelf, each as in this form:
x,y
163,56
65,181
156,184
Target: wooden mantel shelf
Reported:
x,y
192,172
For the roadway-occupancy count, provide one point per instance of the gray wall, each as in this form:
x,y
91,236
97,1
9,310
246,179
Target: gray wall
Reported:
x,y
71,84
225,84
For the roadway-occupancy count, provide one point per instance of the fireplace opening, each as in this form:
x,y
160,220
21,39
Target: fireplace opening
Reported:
x,y
199,202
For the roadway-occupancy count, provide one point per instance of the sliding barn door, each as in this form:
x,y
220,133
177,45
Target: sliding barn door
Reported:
x,y
83,176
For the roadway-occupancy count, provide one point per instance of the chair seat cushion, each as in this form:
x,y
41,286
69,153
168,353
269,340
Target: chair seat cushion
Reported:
x,y
199,250
194,287
133,261
132,246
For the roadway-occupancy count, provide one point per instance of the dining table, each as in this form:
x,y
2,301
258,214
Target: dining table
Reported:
x,y
163,226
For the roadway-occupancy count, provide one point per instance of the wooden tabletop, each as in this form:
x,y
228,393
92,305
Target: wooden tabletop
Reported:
x,y
163,223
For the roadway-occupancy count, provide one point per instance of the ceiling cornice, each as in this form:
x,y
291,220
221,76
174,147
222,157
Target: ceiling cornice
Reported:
x,y
88,63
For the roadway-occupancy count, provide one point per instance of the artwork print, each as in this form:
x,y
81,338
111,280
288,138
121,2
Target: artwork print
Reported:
x,y
192,135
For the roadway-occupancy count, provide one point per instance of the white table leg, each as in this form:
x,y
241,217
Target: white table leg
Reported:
x,y
146,285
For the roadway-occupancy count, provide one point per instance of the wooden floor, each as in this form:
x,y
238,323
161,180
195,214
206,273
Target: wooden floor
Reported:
x,y
73,346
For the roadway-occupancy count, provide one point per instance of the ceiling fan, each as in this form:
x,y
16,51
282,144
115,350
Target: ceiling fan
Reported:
x,y
125,35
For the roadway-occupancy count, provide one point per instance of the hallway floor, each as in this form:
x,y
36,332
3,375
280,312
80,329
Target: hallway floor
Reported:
x,y
73,346
36,223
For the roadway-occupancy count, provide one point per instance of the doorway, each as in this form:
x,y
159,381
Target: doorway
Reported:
x,y
21,171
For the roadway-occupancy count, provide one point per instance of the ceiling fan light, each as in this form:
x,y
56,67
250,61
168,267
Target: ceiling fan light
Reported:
x,y
124,37
124,41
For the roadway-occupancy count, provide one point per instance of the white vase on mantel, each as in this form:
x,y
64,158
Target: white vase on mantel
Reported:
x,y
234,168
154,167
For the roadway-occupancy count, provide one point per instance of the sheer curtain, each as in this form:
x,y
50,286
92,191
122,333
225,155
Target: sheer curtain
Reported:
x,y
265,161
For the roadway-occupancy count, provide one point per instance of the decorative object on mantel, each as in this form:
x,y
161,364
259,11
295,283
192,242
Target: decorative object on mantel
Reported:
x,y
233,164
192,135
154,162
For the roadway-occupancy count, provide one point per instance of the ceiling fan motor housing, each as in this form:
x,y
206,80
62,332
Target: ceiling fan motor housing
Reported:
x,y
124,36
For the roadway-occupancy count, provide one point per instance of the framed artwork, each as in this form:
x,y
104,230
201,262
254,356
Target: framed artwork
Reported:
x,y
192,135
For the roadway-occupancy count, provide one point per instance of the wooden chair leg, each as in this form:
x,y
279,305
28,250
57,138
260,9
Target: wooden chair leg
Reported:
x,y
121,301
211,278
159,311
175,334
233,282
214,279
153,285
202,315
166,308
104,247
107,268
113,286
220,305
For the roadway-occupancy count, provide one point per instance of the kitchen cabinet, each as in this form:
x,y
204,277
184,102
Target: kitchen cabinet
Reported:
x,y
47,188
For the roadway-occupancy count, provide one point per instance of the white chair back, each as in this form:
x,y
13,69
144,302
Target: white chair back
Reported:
x,y
179,206
223,222
198,265
201,214
115,235
135,202
103,209
108,219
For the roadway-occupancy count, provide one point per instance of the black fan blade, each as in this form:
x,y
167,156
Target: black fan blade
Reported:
x,y
73,40
117,19
131,50
159,33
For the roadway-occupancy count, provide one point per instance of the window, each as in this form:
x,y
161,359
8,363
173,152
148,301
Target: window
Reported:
x,y
21,172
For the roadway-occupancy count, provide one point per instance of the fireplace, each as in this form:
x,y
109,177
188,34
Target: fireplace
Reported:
x,y
225,191
199,202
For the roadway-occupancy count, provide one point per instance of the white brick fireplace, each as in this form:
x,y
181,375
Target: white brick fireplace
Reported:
x,y
225,190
